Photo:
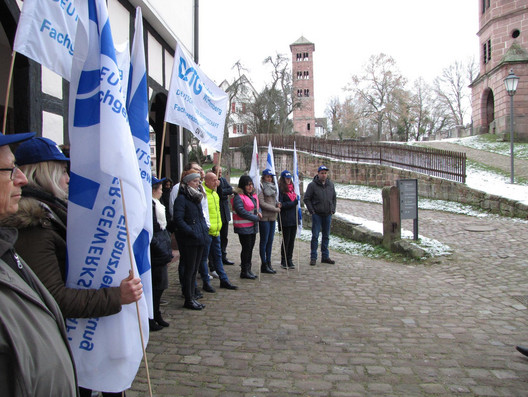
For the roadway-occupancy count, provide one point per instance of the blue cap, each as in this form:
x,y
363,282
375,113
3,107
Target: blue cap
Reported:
x,y
155,180
38,150
286,174
15,138
267,171
322,168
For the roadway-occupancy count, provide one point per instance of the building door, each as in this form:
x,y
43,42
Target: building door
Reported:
x,y
490,113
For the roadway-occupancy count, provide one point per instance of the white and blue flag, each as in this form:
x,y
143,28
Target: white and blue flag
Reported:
x,y
195,102
137,107
105,179
296,188
270,164
46,34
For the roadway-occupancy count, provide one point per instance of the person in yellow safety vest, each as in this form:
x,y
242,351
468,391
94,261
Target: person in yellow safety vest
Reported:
x,y
246,215
215,219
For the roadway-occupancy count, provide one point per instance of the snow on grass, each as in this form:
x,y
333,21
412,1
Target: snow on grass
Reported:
x,y
493,183
492,143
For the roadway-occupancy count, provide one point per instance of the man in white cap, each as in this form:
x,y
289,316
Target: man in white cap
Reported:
x,y
35,358
320,199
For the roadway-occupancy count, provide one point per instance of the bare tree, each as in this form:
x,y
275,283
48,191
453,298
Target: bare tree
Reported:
x,y
451,89
280,90
332,112
377,88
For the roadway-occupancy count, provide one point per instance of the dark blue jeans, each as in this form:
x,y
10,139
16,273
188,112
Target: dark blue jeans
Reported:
x,y
216,250
267,233
204,269
320,223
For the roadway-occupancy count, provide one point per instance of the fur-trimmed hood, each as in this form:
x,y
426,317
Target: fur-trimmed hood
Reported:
x,y
240,191
33,212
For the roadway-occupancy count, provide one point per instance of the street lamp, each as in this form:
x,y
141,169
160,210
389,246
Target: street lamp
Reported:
x,y
511,86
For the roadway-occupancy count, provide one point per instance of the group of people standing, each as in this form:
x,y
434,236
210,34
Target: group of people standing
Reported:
x,y
200,206
33,212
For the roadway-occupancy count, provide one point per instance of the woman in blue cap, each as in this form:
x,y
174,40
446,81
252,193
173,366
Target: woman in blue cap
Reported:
x,y
41,224
288,218
270,207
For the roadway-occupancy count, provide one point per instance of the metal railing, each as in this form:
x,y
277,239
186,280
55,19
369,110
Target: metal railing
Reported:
x,y
445,164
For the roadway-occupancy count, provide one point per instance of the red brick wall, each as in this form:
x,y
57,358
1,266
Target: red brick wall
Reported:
x,y
305,115
497,24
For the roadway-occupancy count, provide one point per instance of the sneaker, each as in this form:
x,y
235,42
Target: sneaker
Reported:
x,y
313,262
214,274
210,277
283,265
328,260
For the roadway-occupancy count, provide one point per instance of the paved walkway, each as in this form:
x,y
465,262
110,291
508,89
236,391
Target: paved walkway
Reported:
x,y
362,327
495,160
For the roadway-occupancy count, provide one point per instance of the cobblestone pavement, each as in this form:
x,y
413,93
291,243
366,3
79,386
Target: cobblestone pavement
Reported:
x,y
361,327
495,160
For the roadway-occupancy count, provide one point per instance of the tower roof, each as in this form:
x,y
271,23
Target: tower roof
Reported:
x,y
302,41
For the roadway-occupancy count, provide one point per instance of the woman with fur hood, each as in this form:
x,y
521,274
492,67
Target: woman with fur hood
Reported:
x,y
41,224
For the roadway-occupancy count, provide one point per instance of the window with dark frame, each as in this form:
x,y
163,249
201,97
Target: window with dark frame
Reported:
x,y
486,51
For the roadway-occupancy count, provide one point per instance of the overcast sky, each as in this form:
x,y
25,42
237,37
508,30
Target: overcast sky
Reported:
x,y
423,36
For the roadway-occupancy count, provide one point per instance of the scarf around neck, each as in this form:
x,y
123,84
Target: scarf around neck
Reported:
x,y
291,192
269,189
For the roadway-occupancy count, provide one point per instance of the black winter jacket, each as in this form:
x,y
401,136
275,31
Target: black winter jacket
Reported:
x,y
320,199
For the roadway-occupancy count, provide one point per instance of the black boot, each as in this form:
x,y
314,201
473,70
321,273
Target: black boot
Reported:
x,y
160,320
272,270
251,274
265,269
245,273
153,326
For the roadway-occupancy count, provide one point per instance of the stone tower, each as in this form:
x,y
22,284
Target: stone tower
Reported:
x,y
303,86
503,39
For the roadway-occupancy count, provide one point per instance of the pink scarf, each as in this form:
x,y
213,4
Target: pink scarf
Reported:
x,y
291,194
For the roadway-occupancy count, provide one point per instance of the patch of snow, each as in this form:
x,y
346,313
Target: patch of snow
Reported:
x,y
496,184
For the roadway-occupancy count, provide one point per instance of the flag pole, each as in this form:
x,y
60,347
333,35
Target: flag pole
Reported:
x,y
130,254
162,147
298,248
8,89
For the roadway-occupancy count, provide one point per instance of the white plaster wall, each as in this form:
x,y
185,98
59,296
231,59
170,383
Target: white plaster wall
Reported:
x,y
51,83
155,59
179,17
52,127
169,65
119,22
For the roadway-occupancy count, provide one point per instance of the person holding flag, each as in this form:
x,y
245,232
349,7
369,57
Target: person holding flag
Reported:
x,y
288,218
270,207
41,224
